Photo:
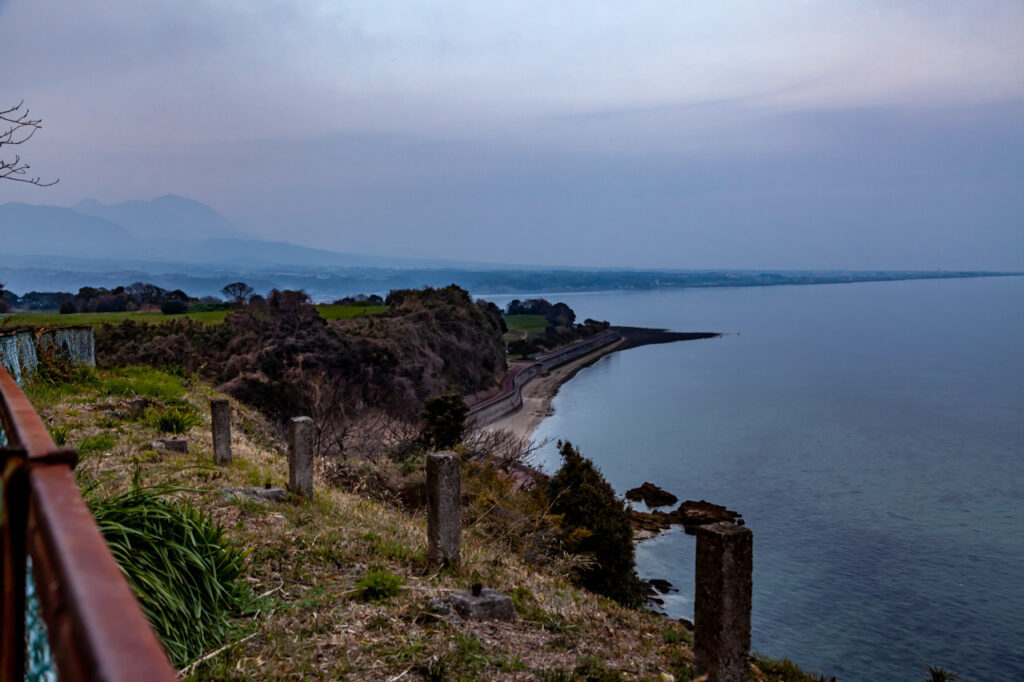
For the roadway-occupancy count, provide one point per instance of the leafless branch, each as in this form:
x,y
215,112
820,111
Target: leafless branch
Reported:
x,y
16,127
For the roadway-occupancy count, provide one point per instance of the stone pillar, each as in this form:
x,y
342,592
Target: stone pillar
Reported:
x,y
721,609
444,509
220,415
300,456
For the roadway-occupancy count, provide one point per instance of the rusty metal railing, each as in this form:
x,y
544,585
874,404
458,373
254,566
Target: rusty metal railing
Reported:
x,y
95,626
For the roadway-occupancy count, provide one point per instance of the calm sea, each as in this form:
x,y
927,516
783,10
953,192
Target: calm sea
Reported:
x,y
872,436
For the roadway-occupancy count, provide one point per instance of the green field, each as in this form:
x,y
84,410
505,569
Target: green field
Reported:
x,y
52,319
532,324
347,312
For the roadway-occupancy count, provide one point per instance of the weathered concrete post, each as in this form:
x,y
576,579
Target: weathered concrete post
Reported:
x,y
300,456
220,415
721,609
444,509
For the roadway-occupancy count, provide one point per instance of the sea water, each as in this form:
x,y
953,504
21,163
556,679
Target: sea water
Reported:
x,y
872,436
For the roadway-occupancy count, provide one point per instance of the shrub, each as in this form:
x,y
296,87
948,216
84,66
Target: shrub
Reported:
x,y
179,563
379,585
173,307
444,420
176,420
596,523
68,307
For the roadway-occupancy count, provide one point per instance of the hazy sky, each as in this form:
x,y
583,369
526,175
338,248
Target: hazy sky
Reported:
x,y
679,133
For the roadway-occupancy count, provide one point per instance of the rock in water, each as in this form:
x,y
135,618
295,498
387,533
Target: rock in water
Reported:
x,y
652,495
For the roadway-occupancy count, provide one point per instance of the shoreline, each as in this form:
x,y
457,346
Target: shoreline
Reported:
x,y
539,393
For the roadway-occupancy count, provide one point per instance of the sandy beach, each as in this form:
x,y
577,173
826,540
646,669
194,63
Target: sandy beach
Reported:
x,y
538,394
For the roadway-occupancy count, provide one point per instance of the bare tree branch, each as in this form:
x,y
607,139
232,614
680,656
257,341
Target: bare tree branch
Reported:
x,y
16,127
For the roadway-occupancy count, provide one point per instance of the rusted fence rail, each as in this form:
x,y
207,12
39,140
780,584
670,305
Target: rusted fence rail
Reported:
x,y
95,627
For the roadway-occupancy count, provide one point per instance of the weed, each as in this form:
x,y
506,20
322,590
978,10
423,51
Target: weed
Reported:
x,y
178,561
674,635
379,585
176,420
436,670
593,669
60,435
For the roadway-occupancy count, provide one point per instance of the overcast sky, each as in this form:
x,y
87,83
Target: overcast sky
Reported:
x,y
674,134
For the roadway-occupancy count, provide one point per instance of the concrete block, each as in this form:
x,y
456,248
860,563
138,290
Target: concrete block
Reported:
x,y
724,586
172,444
487,605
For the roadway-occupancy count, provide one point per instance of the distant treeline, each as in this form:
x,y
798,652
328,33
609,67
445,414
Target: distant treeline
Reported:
x,y
325,283
136,296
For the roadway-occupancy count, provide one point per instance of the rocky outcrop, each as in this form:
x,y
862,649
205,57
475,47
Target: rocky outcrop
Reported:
x,y
651,495
690,514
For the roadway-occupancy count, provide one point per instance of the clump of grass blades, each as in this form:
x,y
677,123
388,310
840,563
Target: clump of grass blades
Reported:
x,y
176,420
379,585
181,566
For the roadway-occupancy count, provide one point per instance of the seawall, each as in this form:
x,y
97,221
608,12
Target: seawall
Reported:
x,y
511,397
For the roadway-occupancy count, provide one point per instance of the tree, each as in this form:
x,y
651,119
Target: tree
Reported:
x,y
238,292
444,420
17,128
595,523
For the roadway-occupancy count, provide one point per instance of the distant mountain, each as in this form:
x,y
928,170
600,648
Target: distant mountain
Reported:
x,y
169,217
169,229
26,229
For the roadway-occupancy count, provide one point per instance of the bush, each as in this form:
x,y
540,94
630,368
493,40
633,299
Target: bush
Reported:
x,y
444,421
179,563
67,307
595,523
173,307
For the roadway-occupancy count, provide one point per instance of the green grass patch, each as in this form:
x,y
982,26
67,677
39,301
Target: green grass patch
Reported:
x,y
346,312
142,382
99,443
379,585
532,324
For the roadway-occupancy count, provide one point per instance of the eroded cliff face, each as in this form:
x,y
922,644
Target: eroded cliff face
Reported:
x,y
18,349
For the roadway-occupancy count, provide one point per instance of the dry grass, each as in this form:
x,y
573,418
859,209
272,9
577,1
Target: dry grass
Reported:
x,y
305,618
